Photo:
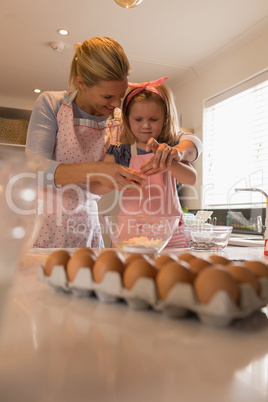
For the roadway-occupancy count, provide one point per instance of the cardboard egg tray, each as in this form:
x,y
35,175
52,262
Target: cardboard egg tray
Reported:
x,y
181,300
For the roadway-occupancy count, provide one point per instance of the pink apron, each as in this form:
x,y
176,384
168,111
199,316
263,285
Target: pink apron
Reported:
x,y
159,197
71,215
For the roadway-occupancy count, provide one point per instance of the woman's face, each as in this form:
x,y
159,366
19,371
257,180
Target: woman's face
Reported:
x,y
146,120
102,99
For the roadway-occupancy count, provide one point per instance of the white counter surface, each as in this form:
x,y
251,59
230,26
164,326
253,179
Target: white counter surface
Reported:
x,y
55,347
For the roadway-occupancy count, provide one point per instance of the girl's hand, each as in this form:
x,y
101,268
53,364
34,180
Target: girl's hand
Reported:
x,y
162,159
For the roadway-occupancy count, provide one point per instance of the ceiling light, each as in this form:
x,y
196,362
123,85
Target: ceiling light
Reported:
x,y
128,3
37,91
63,31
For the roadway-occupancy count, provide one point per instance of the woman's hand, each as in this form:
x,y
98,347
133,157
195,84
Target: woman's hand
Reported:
x,y
115,176
106,176
162,159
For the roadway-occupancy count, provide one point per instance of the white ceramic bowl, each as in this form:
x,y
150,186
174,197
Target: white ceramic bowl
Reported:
x,y
140,233
207,237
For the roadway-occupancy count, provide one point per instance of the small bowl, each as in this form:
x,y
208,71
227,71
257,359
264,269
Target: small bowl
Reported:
x,y
207,237
140,233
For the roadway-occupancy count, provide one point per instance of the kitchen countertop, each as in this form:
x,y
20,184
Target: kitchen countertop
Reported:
x,y
55,347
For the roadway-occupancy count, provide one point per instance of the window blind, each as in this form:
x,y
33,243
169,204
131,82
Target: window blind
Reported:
x,y
235,138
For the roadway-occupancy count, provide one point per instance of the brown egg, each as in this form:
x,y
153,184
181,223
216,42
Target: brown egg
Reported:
x,y
258,268
79,260
213,279
243,275
132,257
218,259
138,268
59,257
198,264
186,257
107,261
84,250
172,273
164,259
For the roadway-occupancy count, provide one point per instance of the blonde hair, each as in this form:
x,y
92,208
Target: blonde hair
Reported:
x,y
98,59
170,129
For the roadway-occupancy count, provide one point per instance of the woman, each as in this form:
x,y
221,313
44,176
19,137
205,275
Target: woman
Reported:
x,y
72,131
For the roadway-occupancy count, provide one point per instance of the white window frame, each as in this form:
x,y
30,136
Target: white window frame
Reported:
x,y
213,150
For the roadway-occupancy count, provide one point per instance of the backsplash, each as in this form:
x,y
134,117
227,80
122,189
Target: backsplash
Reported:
x,y
242,220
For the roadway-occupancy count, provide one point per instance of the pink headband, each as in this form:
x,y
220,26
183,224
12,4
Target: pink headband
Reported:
x,y
149,86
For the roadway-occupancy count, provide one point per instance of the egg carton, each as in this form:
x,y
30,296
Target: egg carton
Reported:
x,y
180,302
221,310
142,295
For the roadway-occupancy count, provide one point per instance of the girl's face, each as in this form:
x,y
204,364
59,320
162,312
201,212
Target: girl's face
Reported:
x,y
146,120
102,99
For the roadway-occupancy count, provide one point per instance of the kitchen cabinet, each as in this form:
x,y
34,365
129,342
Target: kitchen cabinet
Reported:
x,y
13,125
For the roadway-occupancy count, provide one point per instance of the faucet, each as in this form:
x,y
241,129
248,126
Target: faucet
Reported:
x,y
259,220
252,189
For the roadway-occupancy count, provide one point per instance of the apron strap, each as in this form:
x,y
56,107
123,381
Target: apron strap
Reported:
x,y
133,149
68,101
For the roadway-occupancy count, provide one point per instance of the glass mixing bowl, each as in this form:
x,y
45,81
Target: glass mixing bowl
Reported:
x,y
207,237
140,233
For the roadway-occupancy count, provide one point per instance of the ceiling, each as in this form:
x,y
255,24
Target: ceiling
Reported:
x,y
172,38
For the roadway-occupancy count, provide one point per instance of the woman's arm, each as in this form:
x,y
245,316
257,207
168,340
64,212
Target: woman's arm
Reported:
x,y
183,172
41,139
168,158
187,150
42,132
101,177
96,187
190,147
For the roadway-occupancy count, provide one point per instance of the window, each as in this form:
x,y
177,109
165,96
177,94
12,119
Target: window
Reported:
x,y
235,138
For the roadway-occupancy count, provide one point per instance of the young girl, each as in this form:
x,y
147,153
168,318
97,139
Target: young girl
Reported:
x,y
150,123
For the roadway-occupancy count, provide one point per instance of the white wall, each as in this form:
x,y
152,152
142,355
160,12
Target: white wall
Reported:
x,y
223,74
16,103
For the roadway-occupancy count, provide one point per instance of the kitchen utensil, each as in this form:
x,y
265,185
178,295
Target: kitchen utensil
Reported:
x,y
140,233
